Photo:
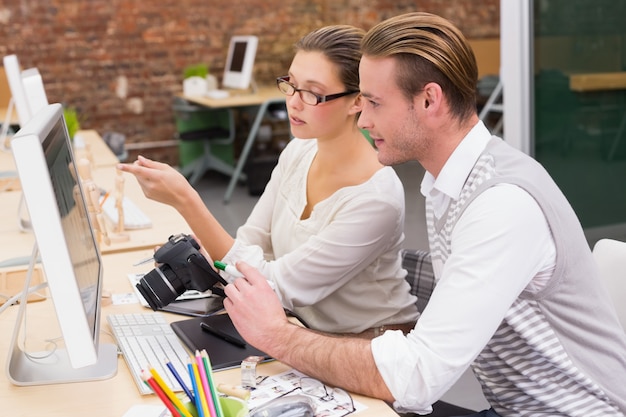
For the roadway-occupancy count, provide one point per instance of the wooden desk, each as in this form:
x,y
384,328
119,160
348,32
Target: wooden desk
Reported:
x,y
597,81
165,220
112,397
262,99
602,81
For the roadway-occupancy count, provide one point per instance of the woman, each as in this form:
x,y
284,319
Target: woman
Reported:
x,y
327,229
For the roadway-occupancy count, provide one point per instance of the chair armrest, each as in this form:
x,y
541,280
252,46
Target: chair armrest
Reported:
x,y
420,275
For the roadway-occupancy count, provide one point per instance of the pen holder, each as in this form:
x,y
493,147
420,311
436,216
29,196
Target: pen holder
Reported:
x,y
231,407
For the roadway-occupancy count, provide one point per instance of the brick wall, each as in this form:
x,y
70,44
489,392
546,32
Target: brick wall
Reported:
x,y
119,62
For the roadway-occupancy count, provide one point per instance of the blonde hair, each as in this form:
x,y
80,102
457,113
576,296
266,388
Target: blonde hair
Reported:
x,y
428,48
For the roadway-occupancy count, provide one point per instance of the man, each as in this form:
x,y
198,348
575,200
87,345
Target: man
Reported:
x,y
518,296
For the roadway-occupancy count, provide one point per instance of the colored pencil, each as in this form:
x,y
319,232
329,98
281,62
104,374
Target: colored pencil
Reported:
x,y
194,385
159,392
205,384
170,394
200,392
180,380
212,387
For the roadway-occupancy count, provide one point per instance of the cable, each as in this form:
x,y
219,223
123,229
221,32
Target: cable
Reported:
x,y
11,301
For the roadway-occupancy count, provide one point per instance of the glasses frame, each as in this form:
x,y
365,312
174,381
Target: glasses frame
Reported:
x,y
329,394
319,98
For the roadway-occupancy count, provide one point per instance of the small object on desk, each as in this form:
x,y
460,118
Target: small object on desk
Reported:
x,y
234,391
223,335
217,94
134,217
248,371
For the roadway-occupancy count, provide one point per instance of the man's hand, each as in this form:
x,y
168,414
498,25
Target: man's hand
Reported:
x,y
255,310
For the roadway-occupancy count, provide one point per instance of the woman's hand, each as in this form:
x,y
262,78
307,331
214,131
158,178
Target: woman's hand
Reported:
x,y
159,181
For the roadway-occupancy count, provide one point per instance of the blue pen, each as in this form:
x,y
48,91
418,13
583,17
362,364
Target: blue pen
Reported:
x,y
180,380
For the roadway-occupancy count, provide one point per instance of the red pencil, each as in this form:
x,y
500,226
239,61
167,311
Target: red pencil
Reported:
x,y
158,391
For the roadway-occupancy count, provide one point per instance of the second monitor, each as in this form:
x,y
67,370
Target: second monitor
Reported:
x,y
240,62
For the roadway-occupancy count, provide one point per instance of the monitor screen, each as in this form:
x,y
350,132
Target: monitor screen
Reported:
x,y
67,245
240,62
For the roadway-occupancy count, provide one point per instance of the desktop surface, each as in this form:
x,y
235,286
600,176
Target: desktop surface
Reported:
x,y
237,98
114,396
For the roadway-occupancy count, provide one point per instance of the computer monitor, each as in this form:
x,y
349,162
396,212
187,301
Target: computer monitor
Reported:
x,y
240,62
18,93
28,94
69,254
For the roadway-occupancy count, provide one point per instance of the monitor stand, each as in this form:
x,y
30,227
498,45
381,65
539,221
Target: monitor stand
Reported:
x,y
55,368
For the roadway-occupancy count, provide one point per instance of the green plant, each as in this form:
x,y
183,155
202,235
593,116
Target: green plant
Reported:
x,y
199,70
71,120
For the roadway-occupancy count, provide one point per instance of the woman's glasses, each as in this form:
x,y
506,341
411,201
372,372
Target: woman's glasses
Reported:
x,y
307,97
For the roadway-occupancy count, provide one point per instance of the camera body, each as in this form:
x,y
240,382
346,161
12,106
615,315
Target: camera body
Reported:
x,y
181,267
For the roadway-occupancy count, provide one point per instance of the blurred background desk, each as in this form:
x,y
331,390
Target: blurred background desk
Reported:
x,y
114,396
264,100
102,156
165,220
598,82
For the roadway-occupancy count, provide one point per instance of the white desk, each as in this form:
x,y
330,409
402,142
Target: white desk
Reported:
x,y
112,397
262,99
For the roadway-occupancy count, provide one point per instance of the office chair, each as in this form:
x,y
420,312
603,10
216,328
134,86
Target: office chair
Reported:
x,y
211,126
611,258
421,278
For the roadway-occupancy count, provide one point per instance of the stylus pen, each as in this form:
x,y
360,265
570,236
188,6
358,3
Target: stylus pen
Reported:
x,y
229,269
222,335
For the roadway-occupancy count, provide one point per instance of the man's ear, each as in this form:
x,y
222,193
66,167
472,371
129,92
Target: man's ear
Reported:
x,y
431,97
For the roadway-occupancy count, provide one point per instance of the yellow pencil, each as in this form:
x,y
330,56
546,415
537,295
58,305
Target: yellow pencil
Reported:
x,y
170,394
203,399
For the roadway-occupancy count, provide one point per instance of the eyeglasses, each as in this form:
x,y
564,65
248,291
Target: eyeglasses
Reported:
x,y
307,97
336,398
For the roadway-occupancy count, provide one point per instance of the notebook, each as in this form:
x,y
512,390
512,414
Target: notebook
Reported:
x,y
223,354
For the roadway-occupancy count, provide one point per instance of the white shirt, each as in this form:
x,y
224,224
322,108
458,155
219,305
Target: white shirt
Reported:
x,y
473,292
339,269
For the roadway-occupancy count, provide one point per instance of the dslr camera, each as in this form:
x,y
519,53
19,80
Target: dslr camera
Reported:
x,y
180,267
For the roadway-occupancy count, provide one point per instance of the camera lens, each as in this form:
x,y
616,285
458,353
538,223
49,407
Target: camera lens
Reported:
x,y
160,287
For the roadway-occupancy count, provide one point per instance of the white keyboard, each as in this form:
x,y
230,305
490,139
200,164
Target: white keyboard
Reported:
x,y
134,218
147,340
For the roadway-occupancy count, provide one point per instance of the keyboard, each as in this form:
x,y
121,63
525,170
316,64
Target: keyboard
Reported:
x,y
134,218
147,340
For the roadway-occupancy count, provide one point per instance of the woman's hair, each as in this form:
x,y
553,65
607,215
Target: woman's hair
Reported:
x,y
428,48
341,44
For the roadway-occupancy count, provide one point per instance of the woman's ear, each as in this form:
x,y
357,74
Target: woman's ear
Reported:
x,y
357,105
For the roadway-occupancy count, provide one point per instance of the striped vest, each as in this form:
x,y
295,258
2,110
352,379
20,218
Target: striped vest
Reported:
x,y
559,351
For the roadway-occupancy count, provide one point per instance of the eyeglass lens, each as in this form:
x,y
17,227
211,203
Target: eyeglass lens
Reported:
x,y
306,96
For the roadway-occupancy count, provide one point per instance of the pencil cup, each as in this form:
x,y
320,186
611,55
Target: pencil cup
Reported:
x,y
233,407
